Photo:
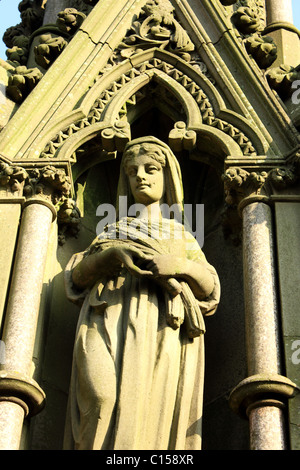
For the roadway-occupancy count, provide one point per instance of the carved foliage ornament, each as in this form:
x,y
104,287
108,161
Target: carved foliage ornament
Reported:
x,y
51,46
239,183
46,183
282,78
262,49
23,80
32,14
249,20
157,27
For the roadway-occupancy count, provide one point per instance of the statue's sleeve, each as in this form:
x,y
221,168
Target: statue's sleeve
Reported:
x,y
194,253
74,294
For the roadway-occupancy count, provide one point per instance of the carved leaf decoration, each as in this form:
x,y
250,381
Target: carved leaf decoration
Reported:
x,y
158,29
181,39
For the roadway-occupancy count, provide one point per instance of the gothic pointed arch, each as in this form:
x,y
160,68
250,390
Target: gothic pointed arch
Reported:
x,y
122,94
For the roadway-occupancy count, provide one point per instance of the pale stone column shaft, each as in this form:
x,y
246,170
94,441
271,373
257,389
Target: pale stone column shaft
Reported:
x,y
279,11
26,287
11,424
263,342
262,324
22,312
9,218
267,428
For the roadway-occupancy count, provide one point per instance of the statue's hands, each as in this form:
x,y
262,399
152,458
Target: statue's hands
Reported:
x,y
132,258
165,266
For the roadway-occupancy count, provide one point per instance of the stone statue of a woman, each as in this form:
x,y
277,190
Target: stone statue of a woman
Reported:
x,y
144,284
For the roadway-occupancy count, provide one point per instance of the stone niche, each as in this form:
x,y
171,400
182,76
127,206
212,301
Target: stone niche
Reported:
x,y
225,348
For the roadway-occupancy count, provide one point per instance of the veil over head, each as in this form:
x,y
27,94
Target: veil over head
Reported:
x,y
172,174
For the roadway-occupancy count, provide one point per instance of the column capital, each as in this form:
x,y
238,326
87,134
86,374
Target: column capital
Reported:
x,y
261,181
41,183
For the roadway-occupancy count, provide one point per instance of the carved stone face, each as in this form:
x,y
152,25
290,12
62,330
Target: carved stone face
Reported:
x,y
146,179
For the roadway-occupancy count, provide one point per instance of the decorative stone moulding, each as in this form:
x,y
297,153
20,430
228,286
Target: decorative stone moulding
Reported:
x,y
24,391
261,390
180,138
120,88
244,186
281,25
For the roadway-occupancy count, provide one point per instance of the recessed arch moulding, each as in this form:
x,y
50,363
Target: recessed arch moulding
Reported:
x,y
123,94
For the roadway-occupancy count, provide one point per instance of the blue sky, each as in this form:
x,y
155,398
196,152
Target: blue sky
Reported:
x,y
10,16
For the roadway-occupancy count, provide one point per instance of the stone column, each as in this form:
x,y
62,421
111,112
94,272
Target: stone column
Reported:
x,y
263,341
262,396
262,328
279,11
19,394
10,212
280,26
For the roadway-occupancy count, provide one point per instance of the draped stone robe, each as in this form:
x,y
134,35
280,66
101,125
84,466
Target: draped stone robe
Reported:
x,y
138,368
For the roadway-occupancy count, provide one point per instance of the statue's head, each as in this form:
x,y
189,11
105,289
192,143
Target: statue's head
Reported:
x,y
144,164
160,160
